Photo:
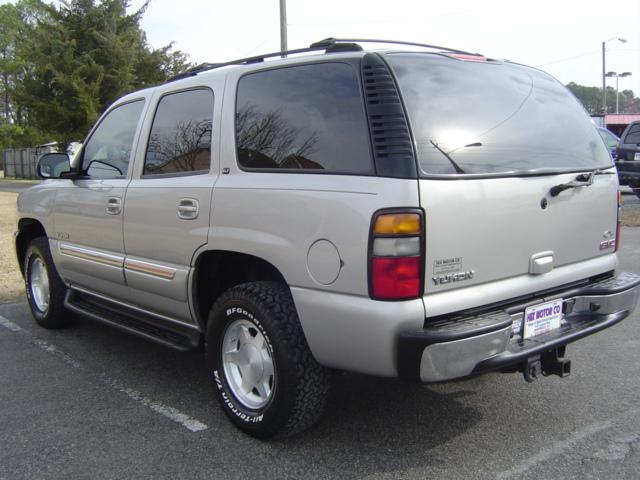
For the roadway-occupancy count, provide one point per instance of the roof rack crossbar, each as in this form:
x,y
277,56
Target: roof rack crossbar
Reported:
x,y
329,41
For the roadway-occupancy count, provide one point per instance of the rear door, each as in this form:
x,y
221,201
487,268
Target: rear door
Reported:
x,y
168,202
493,139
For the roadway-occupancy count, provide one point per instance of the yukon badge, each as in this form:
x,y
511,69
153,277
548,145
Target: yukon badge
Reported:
x,y
453,277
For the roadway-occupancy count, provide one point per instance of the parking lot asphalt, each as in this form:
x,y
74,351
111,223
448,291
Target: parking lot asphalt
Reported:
x,y
91,402
629,198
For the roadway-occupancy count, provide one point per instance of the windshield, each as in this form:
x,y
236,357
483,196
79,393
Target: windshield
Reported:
x,y
493,118
609,138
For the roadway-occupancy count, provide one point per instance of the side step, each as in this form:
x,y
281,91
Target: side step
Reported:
x,y
170,333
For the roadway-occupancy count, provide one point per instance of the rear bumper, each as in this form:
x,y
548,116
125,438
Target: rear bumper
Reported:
x,y
463,346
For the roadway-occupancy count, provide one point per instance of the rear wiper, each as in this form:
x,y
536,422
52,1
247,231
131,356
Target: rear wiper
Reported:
x,y
582,180
448,157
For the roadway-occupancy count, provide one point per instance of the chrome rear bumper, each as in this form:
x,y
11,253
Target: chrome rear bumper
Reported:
x,y
464,346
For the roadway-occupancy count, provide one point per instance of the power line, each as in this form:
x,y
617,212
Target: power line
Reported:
x,y
589,53
259,46
568,58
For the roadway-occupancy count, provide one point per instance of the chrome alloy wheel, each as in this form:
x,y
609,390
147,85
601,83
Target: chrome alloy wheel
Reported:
x,y
248,364
39,284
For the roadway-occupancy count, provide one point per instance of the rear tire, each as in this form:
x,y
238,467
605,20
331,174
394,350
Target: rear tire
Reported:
x,y
262,370
45,290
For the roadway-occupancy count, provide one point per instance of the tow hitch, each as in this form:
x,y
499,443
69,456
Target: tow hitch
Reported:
x,y
549,363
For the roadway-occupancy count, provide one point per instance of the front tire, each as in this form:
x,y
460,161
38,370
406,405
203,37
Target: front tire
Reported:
x,y
263,373
45,290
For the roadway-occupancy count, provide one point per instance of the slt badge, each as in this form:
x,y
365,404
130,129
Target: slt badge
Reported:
x,y
608,242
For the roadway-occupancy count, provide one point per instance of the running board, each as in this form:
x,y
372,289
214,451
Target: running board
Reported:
x,y
166,332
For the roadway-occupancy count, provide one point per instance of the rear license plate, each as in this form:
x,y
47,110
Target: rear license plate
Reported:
x,y
636,156
542,318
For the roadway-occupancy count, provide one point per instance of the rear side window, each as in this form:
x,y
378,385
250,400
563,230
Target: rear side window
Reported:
x,y
493,118
180,139
633,136
303,118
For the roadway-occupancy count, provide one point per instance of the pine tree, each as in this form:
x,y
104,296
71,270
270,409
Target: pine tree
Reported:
x,y
83,55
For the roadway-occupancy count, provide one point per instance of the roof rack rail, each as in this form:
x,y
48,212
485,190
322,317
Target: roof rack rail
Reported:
x,y
333,47
329,45
332,41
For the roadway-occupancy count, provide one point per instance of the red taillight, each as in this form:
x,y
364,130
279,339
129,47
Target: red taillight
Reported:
x,y
396,255
395,278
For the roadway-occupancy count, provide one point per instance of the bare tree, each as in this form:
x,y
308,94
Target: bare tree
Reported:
x,y
271,135
181,151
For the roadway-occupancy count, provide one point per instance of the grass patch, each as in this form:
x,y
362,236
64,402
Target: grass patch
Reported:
x,y
11,283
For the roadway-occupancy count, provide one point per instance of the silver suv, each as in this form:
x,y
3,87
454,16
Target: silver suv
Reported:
x,y
429,214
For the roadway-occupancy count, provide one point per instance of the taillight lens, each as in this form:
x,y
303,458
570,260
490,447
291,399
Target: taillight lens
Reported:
x,y
396,255
395,278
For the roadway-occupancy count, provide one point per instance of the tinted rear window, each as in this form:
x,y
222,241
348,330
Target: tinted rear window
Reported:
x,y
633,135
307,118
493,118
180,139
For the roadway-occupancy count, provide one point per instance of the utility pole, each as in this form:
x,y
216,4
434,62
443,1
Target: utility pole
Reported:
x,y
604,84
283,25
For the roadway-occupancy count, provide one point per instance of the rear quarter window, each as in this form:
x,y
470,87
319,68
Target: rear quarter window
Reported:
x,y
306,118
633,135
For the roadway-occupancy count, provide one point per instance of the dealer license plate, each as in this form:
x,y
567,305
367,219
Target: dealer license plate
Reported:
x,y
542,318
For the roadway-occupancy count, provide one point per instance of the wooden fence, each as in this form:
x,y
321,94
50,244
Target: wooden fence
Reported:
x,y
21,163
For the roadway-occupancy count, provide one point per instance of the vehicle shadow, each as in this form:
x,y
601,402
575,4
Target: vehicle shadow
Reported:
x,y
376,425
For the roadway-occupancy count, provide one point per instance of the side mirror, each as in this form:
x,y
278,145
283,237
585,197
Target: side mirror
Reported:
x,y
53,165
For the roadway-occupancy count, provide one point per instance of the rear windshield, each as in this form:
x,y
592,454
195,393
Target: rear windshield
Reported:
x,y
493,118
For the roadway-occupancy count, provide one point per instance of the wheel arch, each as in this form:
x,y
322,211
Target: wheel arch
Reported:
x,y
28,229
216,271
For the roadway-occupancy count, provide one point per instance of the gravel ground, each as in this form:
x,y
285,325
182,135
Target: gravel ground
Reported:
x,y
630,216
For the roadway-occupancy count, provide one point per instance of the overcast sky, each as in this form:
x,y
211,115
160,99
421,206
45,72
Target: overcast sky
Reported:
x,y
563,37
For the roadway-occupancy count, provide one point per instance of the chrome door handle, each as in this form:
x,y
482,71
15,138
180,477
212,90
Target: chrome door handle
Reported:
x,y
188,209
114,206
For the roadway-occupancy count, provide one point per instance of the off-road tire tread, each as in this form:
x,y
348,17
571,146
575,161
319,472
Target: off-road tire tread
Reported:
x,y
57,316
311,386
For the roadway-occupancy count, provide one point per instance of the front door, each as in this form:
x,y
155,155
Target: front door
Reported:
x,y
89,211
